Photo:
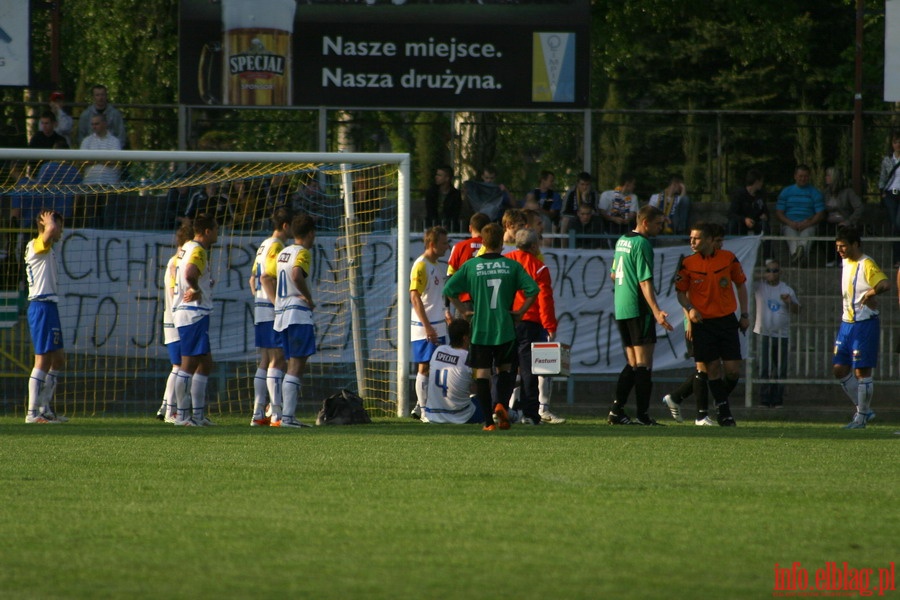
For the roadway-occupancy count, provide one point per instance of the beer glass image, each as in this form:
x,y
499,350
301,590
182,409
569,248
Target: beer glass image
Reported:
x,y
256,53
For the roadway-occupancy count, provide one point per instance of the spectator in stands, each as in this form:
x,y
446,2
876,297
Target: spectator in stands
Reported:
x,y
843,207
587,223
675,205
748,213
889,186
101,139
800,207
64,122
618,207
53,173
101,106
549,201
443,202
211,201
487,196
775,302
582,193
533,208
46,137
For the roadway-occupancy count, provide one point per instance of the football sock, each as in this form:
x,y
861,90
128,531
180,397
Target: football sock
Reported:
x,y
182,394
850,385
545,388
421,389
483,390
169,398
274,378
730,384
504,387
865,389
35,385
260,392
45,399
643,388
198,394
623,389
684,390
701,391
718,389
290,392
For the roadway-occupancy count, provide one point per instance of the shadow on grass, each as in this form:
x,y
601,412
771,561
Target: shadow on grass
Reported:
x,y
232,427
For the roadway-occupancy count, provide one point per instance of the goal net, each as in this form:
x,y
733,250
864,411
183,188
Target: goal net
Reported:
x,y
121,210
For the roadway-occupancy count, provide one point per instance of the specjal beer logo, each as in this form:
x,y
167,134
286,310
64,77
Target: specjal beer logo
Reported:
x,y
256,61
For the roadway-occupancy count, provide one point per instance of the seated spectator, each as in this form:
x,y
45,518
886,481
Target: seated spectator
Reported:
x,y
618,207
531,204
800,208
675,205
748,213
582,193
211,201
548,201
101,139
587,223
46,138
842,205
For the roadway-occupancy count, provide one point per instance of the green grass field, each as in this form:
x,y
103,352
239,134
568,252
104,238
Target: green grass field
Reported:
x,y
131,508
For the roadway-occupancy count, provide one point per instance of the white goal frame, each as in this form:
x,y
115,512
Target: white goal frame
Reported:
x,y
402,160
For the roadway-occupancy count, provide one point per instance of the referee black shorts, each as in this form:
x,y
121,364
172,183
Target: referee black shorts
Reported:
x,y
637,331
482,356
716,339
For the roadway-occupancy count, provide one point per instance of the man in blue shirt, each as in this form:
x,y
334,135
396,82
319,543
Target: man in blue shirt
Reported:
x,y
800,208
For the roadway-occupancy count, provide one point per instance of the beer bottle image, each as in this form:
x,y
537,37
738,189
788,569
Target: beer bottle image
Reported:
x,y
256,52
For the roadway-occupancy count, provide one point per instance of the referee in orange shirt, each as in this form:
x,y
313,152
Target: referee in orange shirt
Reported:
x,y
706,290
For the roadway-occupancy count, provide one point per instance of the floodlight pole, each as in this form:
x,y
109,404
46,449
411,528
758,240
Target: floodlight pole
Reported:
x,y
856,166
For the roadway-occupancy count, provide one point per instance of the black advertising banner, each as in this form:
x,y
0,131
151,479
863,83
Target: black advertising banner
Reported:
x,y
452,54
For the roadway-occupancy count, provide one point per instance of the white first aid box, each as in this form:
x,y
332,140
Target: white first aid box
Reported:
x,y
550,358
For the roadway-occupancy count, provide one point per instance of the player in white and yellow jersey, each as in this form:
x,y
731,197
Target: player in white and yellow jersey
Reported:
x,y
450,381
270,371
42,272
428,325
191,306
167,412
856,345
293,315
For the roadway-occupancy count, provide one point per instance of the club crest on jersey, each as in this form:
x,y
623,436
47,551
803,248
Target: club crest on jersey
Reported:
x,y
723,283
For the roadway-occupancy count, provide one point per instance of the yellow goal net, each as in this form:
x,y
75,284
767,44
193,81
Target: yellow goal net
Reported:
x,y
121,210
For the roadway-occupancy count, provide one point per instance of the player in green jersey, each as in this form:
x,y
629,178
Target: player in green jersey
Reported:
x,y
492,280
637,314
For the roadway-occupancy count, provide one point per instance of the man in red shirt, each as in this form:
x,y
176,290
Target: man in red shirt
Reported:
x,y
706,290
538,324
466,249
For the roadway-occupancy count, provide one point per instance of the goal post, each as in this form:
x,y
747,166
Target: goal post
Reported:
x,y
121,210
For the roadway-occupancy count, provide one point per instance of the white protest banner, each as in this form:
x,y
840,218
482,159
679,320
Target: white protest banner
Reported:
x,y
111,297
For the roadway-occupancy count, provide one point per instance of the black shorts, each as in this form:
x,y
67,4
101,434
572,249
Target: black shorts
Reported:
x,y
638,331
716,339
487,357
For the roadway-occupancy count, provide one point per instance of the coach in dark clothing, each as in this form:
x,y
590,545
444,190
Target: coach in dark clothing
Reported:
x,y
443,202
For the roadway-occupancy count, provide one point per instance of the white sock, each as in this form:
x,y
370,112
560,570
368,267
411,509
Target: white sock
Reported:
x,y
168,405
421,389
45,399
182,393
198,394
260,393
545,387
864,398
290,392
850,385
274,378
35,385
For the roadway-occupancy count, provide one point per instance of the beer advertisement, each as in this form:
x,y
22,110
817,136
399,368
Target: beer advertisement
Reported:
x,y
450,54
